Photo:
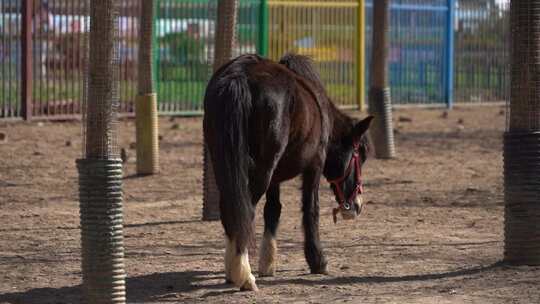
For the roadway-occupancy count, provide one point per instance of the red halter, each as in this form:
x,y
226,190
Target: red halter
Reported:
x,y
354,162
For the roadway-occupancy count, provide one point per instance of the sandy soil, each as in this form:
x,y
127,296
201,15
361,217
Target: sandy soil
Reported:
x,y
432,232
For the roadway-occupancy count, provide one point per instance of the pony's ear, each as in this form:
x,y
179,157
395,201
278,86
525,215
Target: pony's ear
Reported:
x,y
361,127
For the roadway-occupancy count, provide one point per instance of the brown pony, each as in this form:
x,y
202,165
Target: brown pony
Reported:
x,y
265,123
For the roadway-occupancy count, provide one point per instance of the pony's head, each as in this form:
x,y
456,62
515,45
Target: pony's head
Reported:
x,y
343,168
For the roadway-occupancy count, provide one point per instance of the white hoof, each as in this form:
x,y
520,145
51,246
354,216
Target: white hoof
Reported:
x,y
238,270
250,285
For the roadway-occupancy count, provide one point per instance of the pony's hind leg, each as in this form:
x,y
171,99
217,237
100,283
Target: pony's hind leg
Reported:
x,y
229,251
268,253
237,268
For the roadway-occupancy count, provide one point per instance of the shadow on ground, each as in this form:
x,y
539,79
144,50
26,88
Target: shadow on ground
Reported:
x,y
386,279
171,285
139,289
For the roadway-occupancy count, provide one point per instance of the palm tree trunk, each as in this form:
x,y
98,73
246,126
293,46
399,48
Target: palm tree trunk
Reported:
x,y
225,37
102,94
380,104
522,139
146,104
225,31
146,28
100,173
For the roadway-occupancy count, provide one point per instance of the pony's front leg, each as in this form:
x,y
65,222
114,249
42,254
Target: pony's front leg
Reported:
x,y
310,209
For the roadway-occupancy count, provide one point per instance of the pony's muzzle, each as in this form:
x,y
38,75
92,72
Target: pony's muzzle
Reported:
x,y
351,210
358,204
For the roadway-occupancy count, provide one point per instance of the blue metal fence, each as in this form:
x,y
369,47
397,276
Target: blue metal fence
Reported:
x,y
420,44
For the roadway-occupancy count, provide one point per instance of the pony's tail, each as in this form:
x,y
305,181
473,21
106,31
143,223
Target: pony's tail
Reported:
x,y
227,109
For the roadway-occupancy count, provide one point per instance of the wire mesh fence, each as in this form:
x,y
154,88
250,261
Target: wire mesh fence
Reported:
x,y
59,38
60,43
418,48
481,64
327,31
184,48
59,31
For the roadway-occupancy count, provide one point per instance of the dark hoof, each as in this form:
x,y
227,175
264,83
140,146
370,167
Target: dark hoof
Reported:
x,y
321,269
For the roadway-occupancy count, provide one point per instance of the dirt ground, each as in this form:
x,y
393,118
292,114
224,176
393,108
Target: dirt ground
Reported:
x,y
432,232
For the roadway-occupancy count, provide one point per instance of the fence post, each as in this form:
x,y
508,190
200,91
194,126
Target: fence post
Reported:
x,y
449,60
26,59
361,54
263,28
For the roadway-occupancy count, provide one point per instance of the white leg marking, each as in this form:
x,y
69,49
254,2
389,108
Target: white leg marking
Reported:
x,y
268,256
240,270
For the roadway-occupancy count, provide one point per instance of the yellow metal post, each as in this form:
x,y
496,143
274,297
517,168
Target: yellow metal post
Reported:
x,y
361,53
146,126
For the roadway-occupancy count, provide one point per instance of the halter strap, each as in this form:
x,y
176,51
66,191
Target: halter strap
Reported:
x,y
359,189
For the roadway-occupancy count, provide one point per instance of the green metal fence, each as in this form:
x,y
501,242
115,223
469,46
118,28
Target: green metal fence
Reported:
x,y
184,44
481,57
184,49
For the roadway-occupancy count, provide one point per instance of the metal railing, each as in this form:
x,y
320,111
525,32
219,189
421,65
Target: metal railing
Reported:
x,y
44,77
184,49
482,53
419,46
42,57
10,59
327,31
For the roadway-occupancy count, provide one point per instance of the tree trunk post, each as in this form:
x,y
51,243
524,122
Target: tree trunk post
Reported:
x,y
522,138
380,104
146,114
225,37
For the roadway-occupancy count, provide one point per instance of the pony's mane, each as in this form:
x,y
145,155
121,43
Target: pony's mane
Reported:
x,y
302,66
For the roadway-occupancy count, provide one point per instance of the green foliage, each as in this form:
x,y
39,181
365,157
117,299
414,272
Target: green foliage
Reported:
x,y
183,95
183,48
182,58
